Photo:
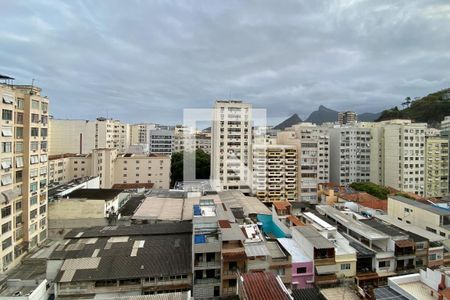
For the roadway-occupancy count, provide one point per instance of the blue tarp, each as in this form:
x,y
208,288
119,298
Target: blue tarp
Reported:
x,y
269,227
200,239
197,210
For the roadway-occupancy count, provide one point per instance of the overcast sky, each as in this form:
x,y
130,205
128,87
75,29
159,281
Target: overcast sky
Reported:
x,y
147,60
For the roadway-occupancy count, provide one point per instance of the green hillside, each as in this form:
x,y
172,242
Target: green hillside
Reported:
x,y
430,109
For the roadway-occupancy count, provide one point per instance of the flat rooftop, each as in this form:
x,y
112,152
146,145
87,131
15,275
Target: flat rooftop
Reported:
x,y
103,194
389,230
251,205
354,225
294,249
432,237
312,235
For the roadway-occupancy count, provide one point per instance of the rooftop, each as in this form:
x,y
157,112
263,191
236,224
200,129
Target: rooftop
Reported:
x,y
292,247
251,205
311,234
308,294
55,188
263,286
412,229
106,194
389,230
131,205
431,208
355,225
142,253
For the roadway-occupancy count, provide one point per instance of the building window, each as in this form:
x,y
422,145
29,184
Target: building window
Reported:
x,y
345,266
6,147
6,114
44,132
6,179
19,103
18,147
44,106
384,264
301,270
7,131
7,259
6,243
6,211
19,118
34,145
33,187
35,104
281,271
34,118
19,132
33,200
6,227
34,131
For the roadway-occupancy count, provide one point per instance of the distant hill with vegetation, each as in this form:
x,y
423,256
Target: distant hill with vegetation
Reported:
x,y
430,109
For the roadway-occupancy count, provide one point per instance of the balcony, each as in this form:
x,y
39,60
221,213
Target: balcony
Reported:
x,y
207,264
214,280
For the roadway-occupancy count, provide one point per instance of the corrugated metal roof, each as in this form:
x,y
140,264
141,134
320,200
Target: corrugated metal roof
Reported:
x,y
263,286
165,296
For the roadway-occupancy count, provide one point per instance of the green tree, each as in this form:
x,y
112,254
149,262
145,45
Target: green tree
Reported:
x,y
202,166
371,188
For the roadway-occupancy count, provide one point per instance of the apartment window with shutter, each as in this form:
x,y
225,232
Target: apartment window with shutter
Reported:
x,y
7,131
6,163
19,162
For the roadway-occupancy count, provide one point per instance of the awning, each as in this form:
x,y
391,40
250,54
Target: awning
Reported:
x,y
9,195
326,269
234,256
8,99
325,279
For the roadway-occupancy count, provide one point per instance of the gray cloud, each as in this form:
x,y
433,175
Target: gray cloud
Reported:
x,y
147,60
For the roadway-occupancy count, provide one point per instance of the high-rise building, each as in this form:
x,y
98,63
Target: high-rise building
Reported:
x,y
350,155
82,136
313,157
231,145
23,190
347,117
275,172
398,155
436,166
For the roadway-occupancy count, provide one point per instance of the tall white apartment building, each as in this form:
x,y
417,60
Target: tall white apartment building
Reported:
x,y
275,172
350,155
398,155
436,166
313,157
23,155
82,136
231,145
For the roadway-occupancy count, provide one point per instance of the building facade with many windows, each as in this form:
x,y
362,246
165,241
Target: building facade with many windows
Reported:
x,y
231,145
23,190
